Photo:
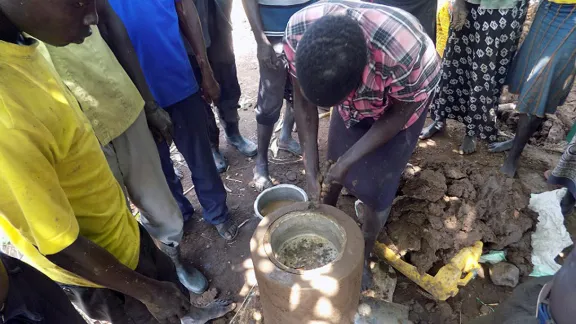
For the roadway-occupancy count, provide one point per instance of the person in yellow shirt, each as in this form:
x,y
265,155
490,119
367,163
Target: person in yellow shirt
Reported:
x,y
104,75
59,202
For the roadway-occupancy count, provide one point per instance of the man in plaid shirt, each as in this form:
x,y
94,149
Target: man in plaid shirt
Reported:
x,y
378,68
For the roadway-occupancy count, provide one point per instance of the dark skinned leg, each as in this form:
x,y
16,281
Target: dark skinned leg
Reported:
x,y
286,142
567,204
527,126
498,147
432,129
373,223
468,145
261,174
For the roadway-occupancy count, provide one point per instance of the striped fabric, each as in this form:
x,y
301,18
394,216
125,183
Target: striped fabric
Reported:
x,y
403,63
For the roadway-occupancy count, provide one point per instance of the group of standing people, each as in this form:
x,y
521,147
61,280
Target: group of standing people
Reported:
x,y
87,125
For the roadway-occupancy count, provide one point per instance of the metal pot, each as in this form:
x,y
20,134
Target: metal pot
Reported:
x,y
278,193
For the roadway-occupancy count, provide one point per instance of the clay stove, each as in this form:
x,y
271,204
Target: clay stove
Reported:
x,y
308,264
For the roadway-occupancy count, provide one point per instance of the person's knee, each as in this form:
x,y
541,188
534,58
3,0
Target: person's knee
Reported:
x,y
267,117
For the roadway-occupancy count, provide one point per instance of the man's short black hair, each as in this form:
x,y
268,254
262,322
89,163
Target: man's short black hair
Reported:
x,y
330,59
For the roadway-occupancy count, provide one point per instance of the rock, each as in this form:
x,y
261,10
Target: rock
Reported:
x,y
462,188
430,186
291,176
556,134
429,306
505,274
375,311
454,173
485,310
384,281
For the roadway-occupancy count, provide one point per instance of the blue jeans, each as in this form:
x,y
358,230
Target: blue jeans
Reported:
x,y
191,139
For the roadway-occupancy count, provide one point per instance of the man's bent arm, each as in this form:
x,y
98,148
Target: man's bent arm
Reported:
x,y
382,131
114,33
306,115
89,261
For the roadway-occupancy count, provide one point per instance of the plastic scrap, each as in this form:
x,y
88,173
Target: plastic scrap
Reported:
x,y
551,236
493,257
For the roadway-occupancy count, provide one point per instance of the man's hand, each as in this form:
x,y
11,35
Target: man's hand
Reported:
x,y
458,14
167,303
159,122
334,174
210,87
267,55
314,184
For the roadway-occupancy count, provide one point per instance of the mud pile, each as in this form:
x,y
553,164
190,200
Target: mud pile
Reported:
x,y
443,207
553,130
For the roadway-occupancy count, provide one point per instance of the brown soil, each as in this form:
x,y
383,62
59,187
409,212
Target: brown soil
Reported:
x,y
449,205
445,201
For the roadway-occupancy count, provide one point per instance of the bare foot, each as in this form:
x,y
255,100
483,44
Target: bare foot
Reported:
x,y
261,179
203,315
509,168
498,147
431,130
468,145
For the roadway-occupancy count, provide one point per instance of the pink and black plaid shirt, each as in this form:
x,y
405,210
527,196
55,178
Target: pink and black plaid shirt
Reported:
x,y
403,62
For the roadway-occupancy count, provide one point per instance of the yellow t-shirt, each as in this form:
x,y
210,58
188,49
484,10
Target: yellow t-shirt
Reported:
x,y
106,94
55,183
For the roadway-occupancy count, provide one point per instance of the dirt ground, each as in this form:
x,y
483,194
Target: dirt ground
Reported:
x,y
473,181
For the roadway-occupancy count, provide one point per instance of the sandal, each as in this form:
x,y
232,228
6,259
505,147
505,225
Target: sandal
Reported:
x,y
228,230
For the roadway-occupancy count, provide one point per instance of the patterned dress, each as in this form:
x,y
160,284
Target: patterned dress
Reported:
x,y
475,65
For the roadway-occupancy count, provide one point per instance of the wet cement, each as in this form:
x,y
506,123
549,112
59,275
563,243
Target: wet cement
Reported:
x,y
306,252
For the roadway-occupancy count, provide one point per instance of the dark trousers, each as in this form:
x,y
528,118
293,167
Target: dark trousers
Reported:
x,y
34,298
191,139
225,74
223,63
108,305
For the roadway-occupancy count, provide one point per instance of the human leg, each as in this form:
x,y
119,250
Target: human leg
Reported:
x,y
286,142
213,130
373,223
269,105
31,295
527,126
173,182
223,62
374,179
190,137
141,170
431,130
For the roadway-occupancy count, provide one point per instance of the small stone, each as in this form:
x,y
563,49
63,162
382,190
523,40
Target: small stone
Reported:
x,y
417,308
219,321
556,134
505,274
485,310
429,306
291,176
